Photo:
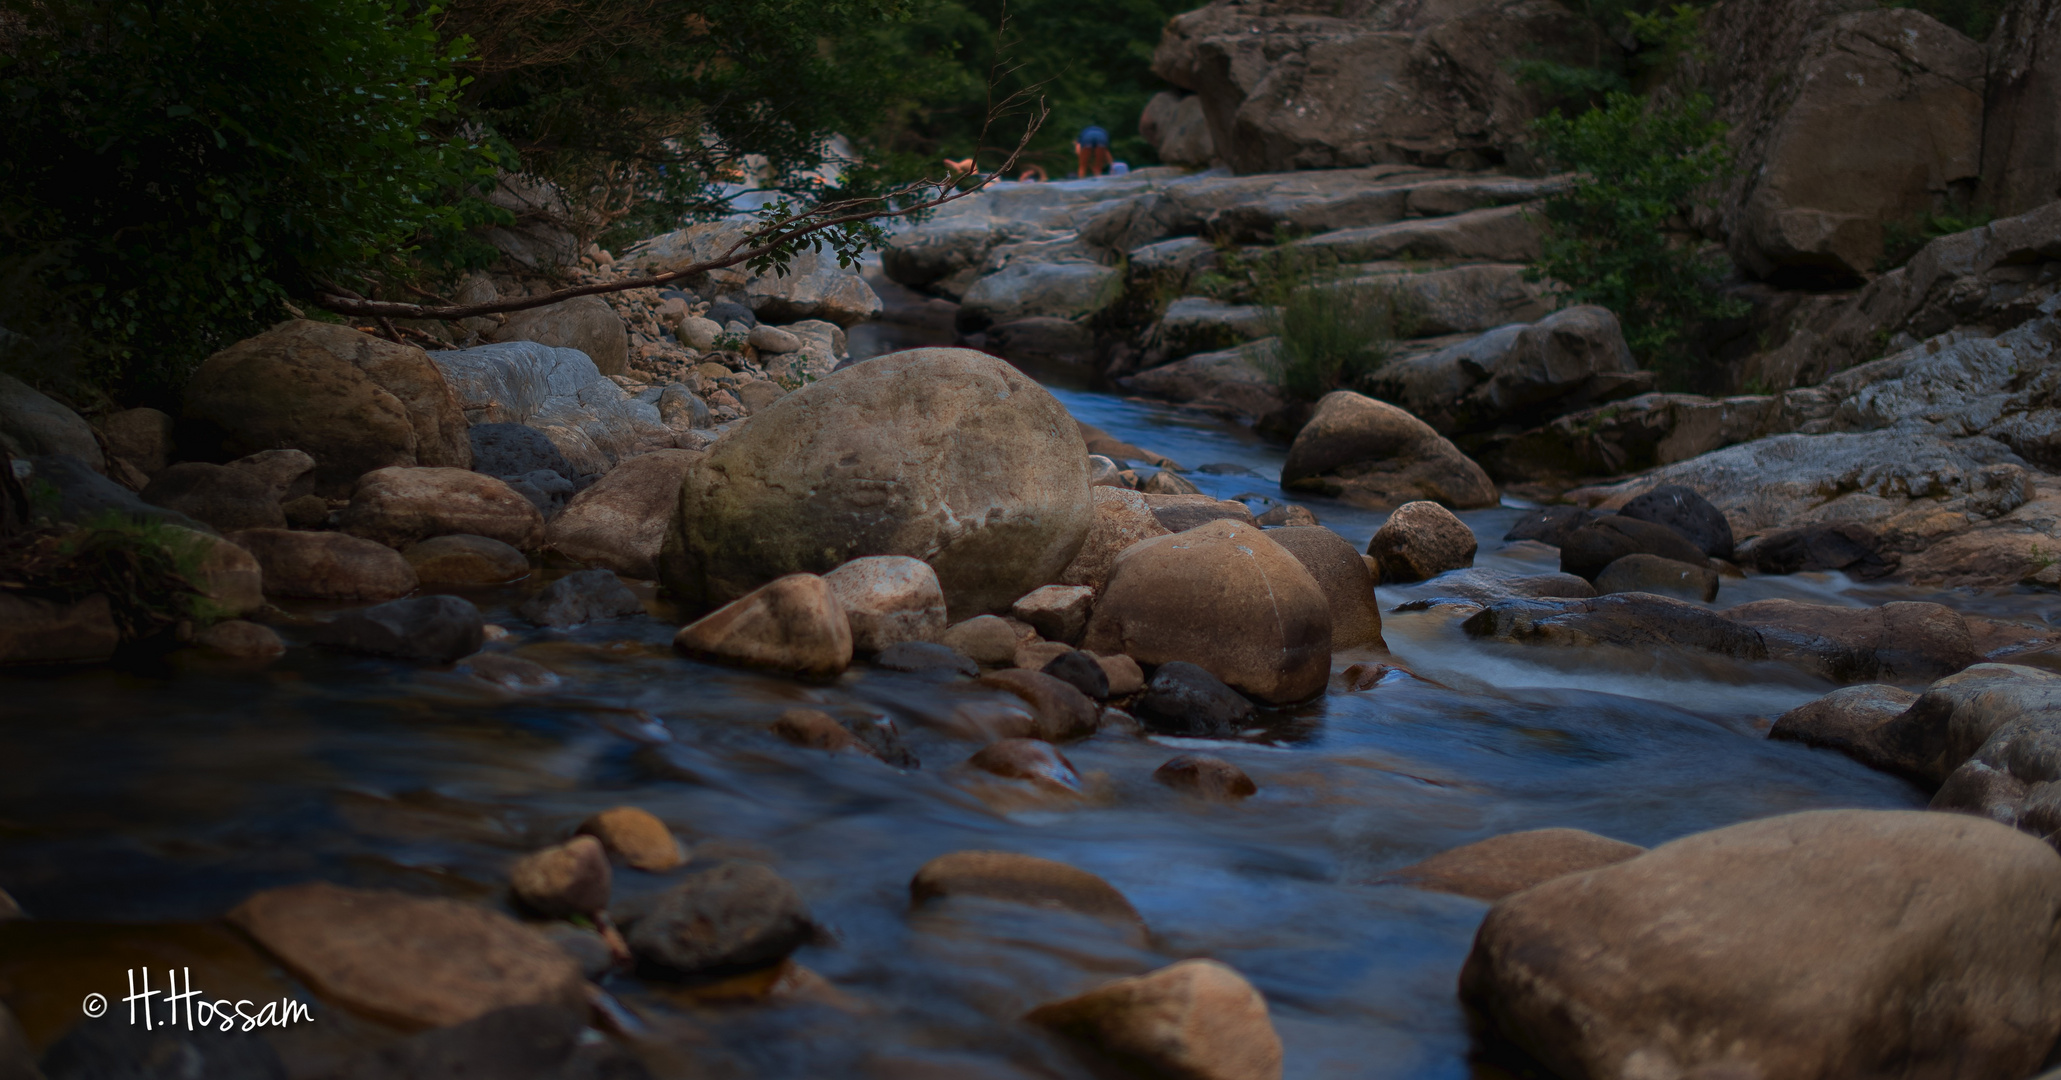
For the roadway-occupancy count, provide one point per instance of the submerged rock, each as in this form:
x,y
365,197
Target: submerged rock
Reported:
x,y
1208,777
563,880
438,629
1058,708
1500,865
579,598
1022,879
1196,1019
461,559
730,917
1900,642
637,836
1629,620
1034,760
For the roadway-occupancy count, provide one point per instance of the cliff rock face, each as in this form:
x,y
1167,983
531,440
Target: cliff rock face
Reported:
x,y
1310,85
2021,145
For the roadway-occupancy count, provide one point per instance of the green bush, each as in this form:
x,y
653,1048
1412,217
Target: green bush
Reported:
x,y
1903,239
1617,236
177,168
1332,333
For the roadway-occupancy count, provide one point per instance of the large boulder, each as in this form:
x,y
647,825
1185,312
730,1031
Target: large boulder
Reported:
x,y
352,401
1342,575
560,392
1587,551
1122,518
1222,596
1173,123
326,565
584,323
1516,374
2021,133
1421,540
1915,943
620,522
813,285
33,425
400,506
944,455
1374,455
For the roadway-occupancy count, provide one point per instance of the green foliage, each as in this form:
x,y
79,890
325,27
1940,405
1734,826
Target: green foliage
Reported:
x,y
147,569
1664,35
1331,328
1903,239
177,168
1616,236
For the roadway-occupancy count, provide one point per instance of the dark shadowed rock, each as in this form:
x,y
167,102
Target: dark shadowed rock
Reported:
x,y
1550,525
1205,776
1680,508
1034,760
507,450
1183,699
1061,710
1839,545
524,1042
1023,879
123,1051
1628,620
461,560
438,629
1653,574
927,658
1500,865
581,597
1080,671
228,499
326,565
1588,550
729,917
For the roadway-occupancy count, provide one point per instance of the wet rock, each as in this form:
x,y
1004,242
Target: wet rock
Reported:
x,y
400,506
564,880
1022,879
227,575
326,566
1196,1019
438,629
791,624
1225,597
1958,717
1494,868
730,917
580,598
225,498
1831,545
889,599
290,474
1179,513
1683,510
412,961
241,640
83,494
1034,760
1057,612
988,483
814,286
1286,514
460,559
585,323
1653,574
637,837
1668,957
141,437
519,1043
1080,670
1899,642
1125,677
1855,721
1061,711
1185,699
353,402
924,656
1587,551
124,1051
39,631
1482,586
510,673
1168,482
1374,455
1628,620
306,512
815,729
988,640
559,393
619,523
1209,777
1342,575
34,425
1422,540
1550,525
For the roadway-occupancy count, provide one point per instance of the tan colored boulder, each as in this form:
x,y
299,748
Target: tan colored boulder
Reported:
x,y
462,559
1341,574
790,624
1033,760
619,522
1060,710
1500,865
1197,1020
987,640
639,837
817,730
1225,597
352,401
401,506
563,880
408,960
1421,540
1207,777
1921,939
1374,455
1023,879
944,455
1122,518
1856,721
1125,677
1057,612
889,599
326,565
585,323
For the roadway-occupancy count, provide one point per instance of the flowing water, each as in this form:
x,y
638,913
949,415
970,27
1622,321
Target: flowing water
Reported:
x,y
136,808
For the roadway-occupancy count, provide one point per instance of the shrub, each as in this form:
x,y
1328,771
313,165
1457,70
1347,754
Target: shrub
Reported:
x,y
1332,333
1617,235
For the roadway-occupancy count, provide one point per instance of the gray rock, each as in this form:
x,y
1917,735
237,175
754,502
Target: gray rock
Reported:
x,y
1831,545
1586,551
505,450
1185,699
814,286
593,422
438,629
32,425
1236,382
1080,671
227,499
581,597
1480,585
1195,324
1046,339
83,493
1630,620
545,489
923,657
729,917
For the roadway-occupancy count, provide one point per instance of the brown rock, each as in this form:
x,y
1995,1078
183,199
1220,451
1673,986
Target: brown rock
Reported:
x,y
637,836
585,323
306,512
460,559
1904,642
1286,514
1023,879
1122,518
816,730
792,624
889,599
1422,540
1035,654
569,879
225,498
1057,612
352,401
1209,777
326,566
1125,676
38,631
1904,936
1852,721
987,640
141,437
1061,711
1034,760
1588,551
1494,868
1179,513
1372,454
1640,572
1225,597
400,506
408,960
240,640
1197,1020
619,522
1341,574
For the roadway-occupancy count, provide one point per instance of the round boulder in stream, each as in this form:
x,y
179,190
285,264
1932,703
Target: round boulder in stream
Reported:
x,y
729,917
945,455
